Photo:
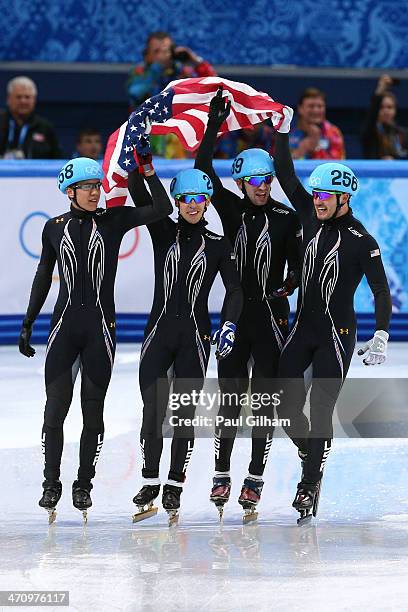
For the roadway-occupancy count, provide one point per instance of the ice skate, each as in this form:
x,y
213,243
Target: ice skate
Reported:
x,y
249,498
144,502
220,493
81,497
171,502
52,490
306,501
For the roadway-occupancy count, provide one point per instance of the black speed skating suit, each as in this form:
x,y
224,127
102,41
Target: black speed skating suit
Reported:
x,y
187,258
85,246
336,255
265,239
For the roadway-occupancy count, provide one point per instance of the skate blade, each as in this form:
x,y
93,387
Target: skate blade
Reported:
x,y
85,516
52,515
220,508
173,517
144,514
317,499
305,518
250,516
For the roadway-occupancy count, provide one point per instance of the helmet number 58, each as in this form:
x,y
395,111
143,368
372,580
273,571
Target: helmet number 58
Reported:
x,y
68,173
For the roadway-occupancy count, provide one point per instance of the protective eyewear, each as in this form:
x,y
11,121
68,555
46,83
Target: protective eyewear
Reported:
x,y
187,198
257,180
323,195
89,186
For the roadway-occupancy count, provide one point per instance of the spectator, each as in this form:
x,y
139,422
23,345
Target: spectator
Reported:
x,y
382,137
164,62
313,137
23,134
230,144
89,144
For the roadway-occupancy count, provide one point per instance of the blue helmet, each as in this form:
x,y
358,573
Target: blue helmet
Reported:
x,y
78,169
191,181
252,162
334,177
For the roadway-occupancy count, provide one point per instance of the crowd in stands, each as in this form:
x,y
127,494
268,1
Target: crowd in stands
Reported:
x,y
26,135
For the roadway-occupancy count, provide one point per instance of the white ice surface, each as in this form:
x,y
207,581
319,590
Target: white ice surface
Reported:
x,y
355,556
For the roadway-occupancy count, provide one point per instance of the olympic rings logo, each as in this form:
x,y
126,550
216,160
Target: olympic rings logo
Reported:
x,y
31,253
21,233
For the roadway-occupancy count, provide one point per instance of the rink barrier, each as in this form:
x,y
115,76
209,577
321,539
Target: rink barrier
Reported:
x,y
130,327
27,168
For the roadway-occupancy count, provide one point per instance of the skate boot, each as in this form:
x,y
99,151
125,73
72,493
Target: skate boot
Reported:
x,y
307,500
52,490
171,502
144,502
81,497
220,492
249,498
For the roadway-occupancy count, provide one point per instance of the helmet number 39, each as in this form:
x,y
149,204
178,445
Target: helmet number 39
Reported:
x,y
344,178
236,168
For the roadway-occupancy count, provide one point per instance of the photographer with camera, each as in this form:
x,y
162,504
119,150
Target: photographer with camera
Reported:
x,y
164,62
381,136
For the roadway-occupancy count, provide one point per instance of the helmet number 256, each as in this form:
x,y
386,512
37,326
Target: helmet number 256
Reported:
x,y
344,178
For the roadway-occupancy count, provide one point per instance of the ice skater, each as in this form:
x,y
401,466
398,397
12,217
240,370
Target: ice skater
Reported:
x,y
85,244
266,238
187,258
337,252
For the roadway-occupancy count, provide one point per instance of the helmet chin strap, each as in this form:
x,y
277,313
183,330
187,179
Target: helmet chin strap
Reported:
x,y
338,205
75,201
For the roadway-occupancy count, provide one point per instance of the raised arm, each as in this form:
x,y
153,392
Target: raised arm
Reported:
x,y
142,198
285,172
224,200
145,213
39,291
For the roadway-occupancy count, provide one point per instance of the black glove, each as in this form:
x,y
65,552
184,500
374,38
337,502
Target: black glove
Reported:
x,y
24,340
145,163
289,285
219,109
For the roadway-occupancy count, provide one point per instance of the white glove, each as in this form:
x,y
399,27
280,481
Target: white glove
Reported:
x,y
376,347
285,127
224,339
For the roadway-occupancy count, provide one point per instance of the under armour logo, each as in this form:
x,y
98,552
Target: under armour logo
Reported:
x,y
111,325
60,220
344,331
206,337
283,321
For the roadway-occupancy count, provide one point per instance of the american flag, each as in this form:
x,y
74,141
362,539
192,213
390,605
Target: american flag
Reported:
x,y
181,108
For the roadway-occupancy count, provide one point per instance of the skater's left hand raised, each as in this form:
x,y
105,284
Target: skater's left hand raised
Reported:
x,y
24,340
224,339
219,109
376,347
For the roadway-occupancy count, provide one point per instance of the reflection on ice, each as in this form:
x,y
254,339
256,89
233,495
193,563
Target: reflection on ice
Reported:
x,y
116,566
